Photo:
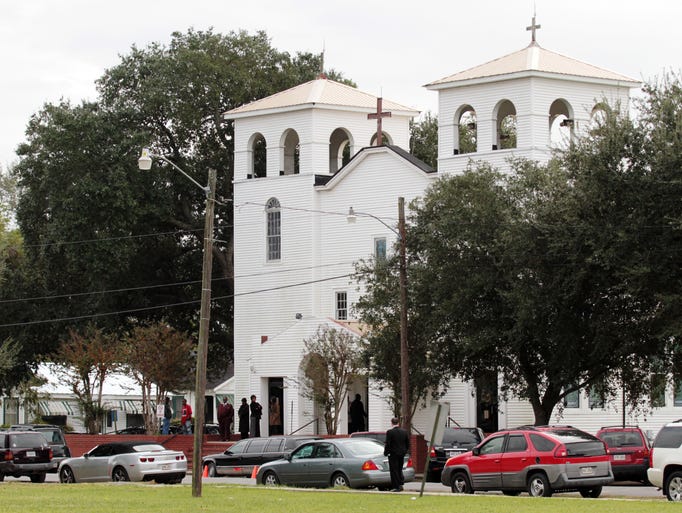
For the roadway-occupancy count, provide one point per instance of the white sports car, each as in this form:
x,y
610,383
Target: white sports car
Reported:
x,y
125,461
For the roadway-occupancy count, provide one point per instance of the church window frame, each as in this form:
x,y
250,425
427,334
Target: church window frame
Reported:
x,y
273,238
341,305
290,155
340,149
257,156
505,128
465,131
380,249
561,124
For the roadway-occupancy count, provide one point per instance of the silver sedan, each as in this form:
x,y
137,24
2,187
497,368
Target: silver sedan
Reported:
x,y
350,462
125,461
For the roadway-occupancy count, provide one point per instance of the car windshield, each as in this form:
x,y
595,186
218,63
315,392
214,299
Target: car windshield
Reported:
x,y
149,448
363,447
52,436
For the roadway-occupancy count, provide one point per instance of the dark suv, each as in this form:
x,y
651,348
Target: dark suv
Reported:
x,y
538,459
24,453
629,451
456,440
54,436
243,456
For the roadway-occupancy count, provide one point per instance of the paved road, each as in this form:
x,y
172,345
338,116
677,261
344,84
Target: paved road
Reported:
x,y
624,490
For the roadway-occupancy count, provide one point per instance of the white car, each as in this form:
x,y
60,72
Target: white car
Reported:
x,y
665,471
125,461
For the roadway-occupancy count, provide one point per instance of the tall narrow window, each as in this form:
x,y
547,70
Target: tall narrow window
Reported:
x,y
274,230
341,306
380,248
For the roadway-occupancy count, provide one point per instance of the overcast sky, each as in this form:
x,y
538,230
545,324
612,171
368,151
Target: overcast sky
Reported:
x,y
52,49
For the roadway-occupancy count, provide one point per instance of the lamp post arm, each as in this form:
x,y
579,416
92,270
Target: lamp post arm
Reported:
x,y
352,213
206,188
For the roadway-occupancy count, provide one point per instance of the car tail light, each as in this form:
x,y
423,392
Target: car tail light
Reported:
x,y
369,465
144,459
561,451
51,454
409,463
180,458
9,456
432,454
651,458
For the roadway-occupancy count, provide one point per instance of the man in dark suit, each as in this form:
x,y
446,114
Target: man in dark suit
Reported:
x,y
397,446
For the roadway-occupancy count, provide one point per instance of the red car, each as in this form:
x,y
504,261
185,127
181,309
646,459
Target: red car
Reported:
x,y
629,450
540,460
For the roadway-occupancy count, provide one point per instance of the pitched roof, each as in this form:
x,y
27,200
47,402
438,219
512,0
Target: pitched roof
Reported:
x,y
319,92
533,58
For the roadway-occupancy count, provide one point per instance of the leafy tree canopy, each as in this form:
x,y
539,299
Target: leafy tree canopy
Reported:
x,y
103,237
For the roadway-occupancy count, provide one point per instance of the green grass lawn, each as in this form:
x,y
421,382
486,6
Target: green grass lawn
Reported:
x,y
24,497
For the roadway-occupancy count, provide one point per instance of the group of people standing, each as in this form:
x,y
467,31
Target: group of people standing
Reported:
x,y
249,415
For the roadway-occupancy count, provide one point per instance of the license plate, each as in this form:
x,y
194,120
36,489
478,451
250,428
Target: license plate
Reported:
x,y
30,454
619,457
586,471
165,467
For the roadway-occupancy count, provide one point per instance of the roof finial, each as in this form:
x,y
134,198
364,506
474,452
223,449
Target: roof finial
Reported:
x,y
322,74
533,27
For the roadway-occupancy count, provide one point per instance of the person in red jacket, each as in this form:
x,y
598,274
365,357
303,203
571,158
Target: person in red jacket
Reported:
x,y
186,418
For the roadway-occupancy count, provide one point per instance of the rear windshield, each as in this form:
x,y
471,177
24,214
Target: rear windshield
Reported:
x,y
52,436
149,447
585,449
27,440
622,439
568,436
460,437
669,437
364,447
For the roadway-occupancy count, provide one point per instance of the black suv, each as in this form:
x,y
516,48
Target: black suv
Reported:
x,y
54,436
456,440
25,453
243,456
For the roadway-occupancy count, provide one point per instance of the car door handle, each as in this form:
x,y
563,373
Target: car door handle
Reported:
x,y
497,461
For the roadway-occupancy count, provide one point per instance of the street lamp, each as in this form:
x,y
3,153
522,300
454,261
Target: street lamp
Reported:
x,y
145,163
405,408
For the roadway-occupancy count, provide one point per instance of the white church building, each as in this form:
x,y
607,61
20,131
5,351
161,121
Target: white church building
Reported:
x,y
305,155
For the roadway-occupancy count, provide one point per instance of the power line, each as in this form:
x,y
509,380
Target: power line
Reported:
x,y
171,305
175,284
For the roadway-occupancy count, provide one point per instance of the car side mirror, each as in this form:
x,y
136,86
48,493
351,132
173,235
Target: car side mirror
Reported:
x,y
287,456
86,455
476,451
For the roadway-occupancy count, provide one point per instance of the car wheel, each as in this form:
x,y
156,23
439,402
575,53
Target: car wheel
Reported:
x,y
119,474
2,477
510,493
340,479
673,487
460,483
270,478
591,493
538,486
66,475
211,469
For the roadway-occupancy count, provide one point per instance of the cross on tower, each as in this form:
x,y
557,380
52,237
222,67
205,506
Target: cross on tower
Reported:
x,y
378,115
533,27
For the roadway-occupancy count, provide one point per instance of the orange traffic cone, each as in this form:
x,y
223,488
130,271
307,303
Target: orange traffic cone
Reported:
x,y
254,472
205,474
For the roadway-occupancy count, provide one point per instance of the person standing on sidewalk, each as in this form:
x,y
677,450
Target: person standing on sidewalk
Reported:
x,y
256,414
167,416
186,418
397,446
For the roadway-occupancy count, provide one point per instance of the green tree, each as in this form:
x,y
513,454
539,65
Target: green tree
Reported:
x,y
424,139
84,361
160,359
94,223
378,309
332,360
